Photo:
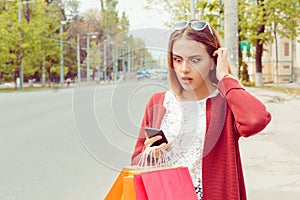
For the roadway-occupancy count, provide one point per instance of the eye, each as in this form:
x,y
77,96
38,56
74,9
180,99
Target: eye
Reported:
x,y
176,59
195,60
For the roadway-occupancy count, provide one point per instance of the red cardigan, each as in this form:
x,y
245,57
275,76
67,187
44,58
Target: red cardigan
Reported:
x,y
233,113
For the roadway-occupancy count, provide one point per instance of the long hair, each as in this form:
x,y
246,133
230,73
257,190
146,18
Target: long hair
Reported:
x,y
211,42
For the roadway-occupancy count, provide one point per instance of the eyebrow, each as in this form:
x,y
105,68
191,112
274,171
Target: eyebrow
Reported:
x,y
193,56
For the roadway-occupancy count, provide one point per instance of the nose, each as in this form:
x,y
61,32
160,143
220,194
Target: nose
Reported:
x,y
185,68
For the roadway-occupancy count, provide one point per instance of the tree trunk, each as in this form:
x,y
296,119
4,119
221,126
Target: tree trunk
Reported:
x,y
259,51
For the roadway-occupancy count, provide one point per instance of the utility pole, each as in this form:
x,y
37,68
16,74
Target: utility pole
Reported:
x,y
88,57
192,7
78,60
21,73
231,32
62,77
104,59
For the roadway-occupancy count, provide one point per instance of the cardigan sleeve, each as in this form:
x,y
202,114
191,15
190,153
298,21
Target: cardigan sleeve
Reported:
x,y
139,146
250,114
152,118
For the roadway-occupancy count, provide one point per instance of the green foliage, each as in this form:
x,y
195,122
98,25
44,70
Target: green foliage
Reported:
x,y
248,83
272,13
34,39
211,11
277,17
37,36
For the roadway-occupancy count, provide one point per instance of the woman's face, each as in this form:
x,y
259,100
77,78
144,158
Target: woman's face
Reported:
x,y
192,64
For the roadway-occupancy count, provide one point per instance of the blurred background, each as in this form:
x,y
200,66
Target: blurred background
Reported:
x,y
55,43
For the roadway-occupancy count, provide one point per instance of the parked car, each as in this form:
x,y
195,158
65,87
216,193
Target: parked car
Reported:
x,y
143,74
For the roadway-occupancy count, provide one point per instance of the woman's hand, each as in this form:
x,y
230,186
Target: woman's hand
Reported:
x,y
155,151
222,62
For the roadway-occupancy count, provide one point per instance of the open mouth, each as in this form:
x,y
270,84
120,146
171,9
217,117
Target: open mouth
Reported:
x,y
186,79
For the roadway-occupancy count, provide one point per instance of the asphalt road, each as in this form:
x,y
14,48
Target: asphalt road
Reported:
x,y
70,143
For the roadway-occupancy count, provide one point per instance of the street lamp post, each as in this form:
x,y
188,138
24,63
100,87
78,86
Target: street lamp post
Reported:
x,y
61,54
116,59
21,73
88,52
104,58
128,58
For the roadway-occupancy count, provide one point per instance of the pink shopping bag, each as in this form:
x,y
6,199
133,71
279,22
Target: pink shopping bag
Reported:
x,y
165,184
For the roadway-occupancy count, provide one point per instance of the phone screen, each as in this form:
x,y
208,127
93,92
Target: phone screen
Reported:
x,y
151,132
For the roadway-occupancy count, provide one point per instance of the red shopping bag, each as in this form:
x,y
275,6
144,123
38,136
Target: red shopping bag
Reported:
x,y
140,191
165,184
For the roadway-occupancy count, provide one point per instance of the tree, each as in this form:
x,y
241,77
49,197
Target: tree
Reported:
x,y
8,59
35,37
211,11
257,20
257,23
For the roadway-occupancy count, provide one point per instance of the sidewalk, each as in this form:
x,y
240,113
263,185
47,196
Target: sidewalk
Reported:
x,y
271,159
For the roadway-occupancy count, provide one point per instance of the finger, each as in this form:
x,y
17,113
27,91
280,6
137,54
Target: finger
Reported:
x,y
225,52
146,143
169,146
215,53
218,53
155,151
150,141
161,147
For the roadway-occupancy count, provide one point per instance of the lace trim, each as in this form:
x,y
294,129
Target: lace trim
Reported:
x,y
184,124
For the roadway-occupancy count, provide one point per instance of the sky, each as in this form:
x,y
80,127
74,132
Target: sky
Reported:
x,y
138,16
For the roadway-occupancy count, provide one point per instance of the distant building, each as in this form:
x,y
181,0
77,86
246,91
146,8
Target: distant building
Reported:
x,y
288,62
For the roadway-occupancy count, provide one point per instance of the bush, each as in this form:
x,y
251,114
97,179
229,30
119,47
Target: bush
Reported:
x,y
248,83
7,78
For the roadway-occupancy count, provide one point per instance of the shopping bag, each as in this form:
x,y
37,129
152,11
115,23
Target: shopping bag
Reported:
x,y
116,191
128,188
165,184
140,191
124,187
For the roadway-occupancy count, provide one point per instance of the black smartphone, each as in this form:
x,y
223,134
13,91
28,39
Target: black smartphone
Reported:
x,y
151,132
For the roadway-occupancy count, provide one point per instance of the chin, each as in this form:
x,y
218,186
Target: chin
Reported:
x,y
188,88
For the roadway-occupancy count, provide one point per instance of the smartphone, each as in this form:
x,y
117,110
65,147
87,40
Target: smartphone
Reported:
x,y
151,132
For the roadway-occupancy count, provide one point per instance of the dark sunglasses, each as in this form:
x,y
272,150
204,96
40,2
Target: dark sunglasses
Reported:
x,y
196,25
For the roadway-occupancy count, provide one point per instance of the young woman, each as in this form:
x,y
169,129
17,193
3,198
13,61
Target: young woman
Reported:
x,y
203,115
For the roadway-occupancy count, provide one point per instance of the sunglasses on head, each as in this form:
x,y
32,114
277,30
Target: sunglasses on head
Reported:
x,y
196,25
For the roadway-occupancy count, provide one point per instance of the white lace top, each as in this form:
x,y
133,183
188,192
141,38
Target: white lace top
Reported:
x,y
184,124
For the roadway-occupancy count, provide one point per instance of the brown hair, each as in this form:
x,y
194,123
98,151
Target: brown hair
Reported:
x,y
211,42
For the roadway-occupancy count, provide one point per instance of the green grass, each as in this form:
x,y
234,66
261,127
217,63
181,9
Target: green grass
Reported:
x,y
36,88
293,91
